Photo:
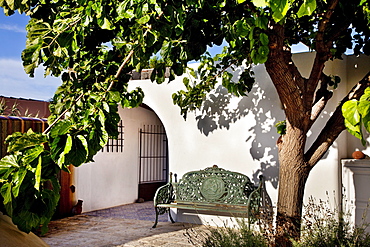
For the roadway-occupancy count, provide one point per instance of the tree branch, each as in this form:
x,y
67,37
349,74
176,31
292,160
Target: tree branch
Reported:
x,y
338,30
322,54
62,115
323,95
335,125
284,77
319,106
322,48
120,69
293,69
82,94
320,44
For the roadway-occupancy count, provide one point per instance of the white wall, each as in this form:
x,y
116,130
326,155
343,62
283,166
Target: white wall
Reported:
x,y
236,133
239,134
113,178
228,131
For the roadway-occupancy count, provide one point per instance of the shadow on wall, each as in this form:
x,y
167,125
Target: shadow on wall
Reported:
x,y
221,109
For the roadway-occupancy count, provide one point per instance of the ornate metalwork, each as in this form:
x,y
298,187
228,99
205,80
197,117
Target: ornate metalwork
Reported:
x,y
163,195
212,185
212,188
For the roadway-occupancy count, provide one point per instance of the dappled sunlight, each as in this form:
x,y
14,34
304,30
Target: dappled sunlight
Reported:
x,y
260,110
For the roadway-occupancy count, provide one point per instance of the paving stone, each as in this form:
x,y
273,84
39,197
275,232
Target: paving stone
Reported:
x,y
123,226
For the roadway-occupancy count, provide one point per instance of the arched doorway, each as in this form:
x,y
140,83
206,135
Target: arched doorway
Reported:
x,y
127,168
153,159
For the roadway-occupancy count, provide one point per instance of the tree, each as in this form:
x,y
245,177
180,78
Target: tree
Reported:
x,y
95,44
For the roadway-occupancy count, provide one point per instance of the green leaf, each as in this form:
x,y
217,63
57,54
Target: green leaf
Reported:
x,y
7,162
264,39
259,3
30,56
307,8
38,174
107,24
11,4
84,144
143,19
20,142
32,154
242,28
18,178
68,145
115,96
351,113
354,130
78,153
279,9
61,128
61,52
364,110
261,22
6,193
281,127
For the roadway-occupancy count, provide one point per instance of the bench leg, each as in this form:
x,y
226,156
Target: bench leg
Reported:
x,y
169,213
156,218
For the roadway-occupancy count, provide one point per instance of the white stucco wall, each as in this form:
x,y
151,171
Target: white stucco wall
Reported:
x,y
236,133
113,178
239,133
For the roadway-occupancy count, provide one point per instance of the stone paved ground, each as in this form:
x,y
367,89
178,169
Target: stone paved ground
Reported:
x,y
129,225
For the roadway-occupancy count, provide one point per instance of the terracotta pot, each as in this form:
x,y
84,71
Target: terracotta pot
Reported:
x,y
358,155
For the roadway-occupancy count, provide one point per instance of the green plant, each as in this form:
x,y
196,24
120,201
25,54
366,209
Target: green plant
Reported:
x,y
3,106
241,235
27,114
281,127
14,110
29,188
324,227
356,115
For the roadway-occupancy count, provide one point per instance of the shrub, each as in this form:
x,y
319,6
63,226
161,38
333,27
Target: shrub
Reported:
x,y
323,227
239,236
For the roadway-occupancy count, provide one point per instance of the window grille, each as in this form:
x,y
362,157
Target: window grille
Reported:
x,y
116,145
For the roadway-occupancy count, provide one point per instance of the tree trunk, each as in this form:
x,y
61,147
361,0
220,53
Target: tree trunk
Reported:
x,y
293,175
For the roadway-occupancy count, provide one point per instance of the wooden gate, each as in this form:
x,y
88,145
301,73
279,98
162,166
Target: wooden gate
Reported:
x,y
153,167
11,124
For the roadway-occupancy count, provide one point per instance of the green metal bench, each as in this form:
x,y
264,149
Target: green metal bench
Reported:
x,y
212,189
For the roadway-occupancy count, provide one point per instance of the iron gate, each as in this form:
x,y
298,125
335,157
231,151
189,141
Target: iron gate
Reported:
x,y
153,164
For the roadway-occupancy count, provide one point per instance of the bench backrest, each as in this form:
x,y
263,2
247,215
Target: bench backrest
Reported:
x,y
214,185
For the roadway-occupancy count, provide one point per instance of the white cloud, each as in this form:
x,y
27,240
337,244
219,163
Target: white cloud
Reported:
x,y
14,82
14,28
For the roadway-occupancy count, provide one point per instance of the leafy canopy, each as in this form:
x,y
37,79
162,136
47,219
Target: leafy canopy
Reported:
x,y
94,45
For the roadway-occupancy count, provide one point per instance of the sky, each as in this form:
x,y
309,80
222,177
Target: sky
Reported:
x,y
14,82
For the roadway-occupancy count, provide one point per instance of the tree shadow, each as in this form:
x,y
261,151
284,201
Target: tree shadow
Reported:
x,y
260,109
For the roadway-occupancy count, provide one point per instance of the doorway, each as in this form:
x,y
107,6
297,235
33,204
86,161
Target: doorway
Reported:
x,y
153,160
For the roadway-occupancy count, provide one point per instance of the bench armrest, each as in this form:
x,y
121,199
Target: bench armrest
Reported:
x,y
256,198
164,195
